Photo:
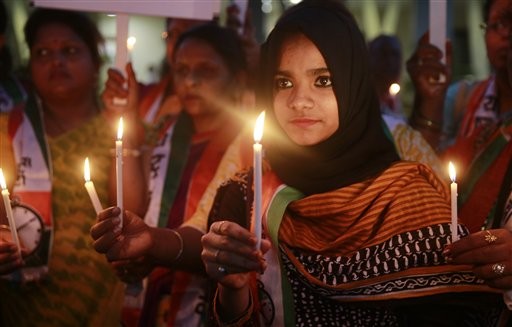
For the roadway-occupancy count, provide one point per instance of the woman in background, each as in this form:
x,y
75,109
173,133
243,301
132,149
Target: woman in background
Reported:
x,y
64,281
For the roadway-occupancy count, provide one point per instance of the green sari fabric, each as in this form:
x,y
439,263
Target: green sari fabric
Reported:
x,y
80,289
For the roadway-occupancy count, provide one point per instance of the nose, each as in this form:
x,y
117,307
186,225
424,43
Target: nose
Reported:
x,y
300,99
58,58
191,79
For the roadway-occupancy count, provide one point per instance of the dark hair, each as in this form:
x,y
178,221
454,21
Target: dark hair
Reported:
x,y
487,9
78,22
223,40
5,54
3,17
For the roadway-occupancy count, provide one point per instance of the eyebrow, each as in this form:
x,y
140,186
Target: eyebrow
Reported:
x,y
313,72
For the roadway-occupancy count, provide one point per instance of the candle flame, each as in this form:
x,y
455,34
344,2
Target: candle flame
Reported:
x,y
120,129
394,89
451,170
3,184
130,42
258,127
87,170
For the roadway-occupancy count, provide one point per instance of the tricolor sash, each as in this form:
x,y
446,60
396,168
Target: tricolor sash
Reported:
x,y
33,182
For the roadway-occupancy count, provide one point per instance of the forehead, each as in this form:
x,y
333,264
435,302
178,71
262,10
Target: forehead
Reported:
x,y
55,31
193,49
299,48
501,9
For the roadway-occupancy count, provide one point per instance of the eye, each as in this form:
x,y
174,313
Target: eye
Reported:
x,y
41,53
181,71
323,81
281,83
71,50
206,71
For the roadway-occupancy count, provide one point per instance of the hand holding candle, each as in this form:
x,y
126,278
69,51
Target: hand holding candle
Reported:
x,y
257,152
90,187
8,210
453,196
119,168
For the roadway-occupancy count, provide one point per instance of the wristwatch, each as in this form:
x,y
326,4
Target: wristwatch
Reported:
x,y
29,226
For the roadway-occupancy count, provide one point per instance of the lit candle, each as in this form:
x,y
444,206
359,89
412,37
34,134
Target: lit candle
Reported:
x,y
8,210
258,133
130,44
393,91
89,186
453,195
119,168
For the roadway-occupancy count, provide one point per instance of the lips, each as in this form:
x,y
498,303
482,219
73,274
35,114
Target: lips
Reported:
x,y
191,97
303,122
59,74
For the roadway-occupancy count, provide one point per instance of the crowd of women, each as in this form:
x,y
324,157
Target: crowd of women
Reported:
x,y
356,223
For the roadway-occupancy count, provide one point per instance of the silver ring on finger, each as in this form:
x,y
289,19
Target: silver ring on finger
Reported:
x,y
498,268
222,270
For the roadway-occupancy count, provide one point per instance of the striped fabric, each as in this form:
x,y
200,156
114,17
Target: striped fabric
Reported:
x,y
407,197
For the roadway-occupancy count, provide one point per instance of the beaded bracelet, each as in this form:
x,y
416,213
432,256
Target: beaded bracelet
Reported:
x,y
180,252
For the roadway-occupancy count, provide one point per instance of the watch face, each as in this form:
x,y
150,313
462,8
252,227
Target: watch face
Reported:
x,y
29,226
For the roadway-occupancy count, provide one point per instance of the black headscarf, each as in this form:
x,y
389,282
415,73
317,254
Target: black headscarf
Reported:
x,y
359,148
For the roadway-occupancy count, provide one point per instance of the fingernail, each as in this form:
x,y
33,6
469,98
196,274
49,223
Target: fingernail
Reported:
x,y
447,252
116,220
263,268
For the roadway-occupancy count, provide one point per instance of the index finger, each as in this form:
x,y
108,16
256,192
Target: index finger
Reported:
x,y
231,229
478,240
108,213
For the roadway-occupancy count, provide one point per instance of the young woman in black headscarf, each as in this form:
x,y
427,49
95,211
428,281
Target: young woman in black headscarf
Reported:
x,y
353,236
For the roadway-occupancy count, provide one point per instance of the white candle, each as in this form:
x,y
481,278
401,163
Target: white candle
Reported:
x,y
453,196
130,44
122,23
89,186
8,210
119,168
437,29
257,149
122,51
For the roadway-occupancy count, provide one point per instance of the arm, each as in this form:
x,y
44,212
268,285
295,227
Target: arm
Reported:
x,y
425,69
158,246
